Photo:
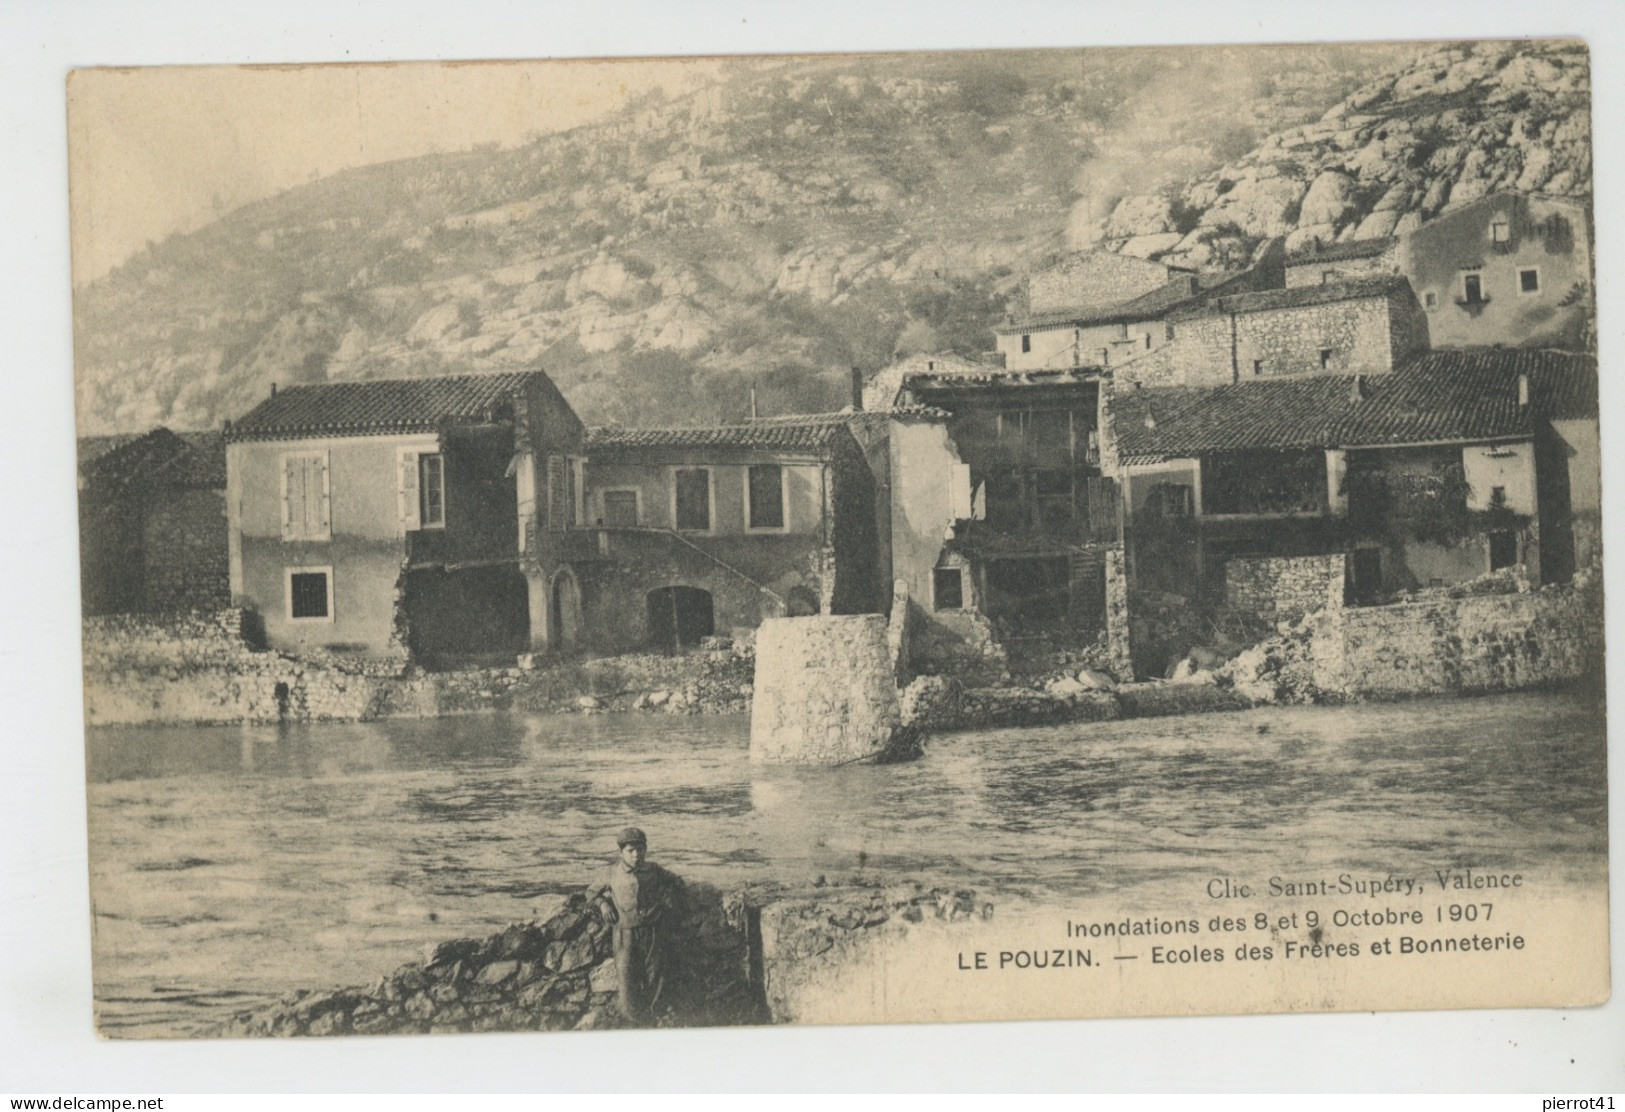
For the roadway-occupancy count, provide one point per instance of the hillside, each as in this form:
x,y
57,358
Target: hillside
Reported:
x,y
803,216
1456,124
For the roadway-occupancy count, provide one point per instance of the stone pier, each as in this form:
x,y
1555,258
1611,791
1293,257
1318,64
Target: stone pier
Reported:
x,y
825,690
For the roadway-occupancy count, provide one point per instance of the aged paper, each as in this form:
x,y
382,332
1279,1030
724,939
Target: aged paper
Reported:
x,y
1007,535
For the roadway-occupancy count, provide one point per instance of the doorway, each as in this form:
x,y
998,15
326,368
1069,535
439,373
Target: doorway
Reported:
x,y
679,617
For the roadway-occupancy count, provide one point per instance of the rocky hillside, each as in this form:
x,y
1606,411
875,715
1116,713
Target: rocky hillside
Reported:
x,y
800,217
1457,123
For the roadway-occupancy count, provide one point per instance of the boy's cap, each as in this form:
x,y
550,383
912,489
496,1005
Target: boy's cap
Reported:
x,y
632,836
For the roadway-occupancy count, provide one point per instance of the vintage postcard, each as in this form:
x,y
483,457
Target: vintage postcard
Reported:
x,y
838,539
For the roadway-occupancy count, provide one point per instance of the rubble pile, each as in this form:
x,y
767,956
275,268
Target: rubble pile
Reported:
x,y
553,975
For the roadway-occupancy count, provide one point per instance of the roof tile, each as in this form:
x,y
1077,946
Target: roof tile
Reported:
x,y
1438,396
379,406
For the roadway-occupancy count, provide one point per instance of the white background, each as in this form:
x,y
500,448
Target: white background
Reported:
x,y
47,1044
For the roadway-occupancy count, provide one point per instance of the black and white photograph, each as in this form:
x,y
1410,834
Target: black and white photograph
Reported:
x,y
808,539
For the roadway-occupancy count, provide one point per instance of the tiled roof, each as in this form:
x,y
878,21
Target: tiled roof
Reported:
x,y
1439,396
786,434
379,406
1285,413
1469,395
1147,306
1297,296
1340,252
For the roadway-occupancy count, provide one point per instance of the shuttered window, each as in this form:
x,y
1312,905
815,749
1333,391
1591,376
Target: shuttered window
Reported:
x,y
692,498
620,508
421,489
306,495
765,487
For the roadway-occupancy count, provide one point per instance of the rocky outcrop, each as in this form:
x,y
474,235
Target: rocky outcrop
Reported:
x,y
1461,121
557,974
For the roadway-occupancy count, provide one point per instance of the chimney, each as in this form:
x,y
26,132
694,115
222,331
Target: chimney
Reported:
x,y
1357,391
273,389
753,403
1523,389
857,390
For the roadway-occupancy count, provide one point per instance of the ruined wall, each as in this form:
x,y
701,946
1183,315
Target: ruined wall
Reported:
x,y
1289,341
825,690
1094,278
1283,588
202,667
1500,642
733,570
1314,272
184,545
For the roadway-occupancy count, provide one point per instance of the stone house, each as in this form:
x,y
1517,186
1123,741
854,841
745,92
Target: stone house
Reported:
x,y
1357,326
705,530
428,516
152,523
1456,464
1508,269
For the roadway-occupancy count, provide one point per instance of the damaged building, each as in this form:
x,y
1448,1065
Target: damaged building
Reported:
x,y
428,516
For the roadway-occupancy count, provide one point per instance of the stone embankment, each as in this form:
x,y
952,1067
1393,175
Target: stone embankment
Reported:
x,y
744,958
205,667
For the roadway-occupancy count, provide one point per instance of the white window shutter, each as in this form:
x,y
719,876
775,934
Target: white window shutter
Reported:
x,y
320,496
406,490
959,491
291,475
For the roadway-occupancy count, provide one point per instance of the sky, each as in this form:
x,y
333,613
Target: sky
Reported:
x,y
157,150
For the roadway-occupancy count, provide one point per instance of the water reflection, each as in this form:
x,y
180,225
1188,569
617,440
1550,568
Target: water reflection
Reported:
x,y
250,860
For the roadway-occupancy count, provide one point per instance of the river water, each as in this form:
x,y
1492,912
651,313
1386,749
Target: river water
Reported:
x,y
232,864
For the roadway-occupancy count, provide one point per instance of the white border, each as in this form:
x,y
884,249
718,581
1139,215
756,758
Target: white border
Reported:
x,y
44,918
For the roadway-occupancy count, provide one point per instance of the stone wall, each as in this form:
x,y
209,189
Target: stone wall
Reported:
x,y
1119,650
1437,645
1094,278
202,667
1476,644
184,540
1283,588
825,691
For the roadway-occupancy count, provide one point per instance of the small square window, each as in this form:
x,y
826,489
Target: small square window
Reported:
x,y
1325,358
1430,300
1529,280
1258,366
1026,344
1500,232
1327,277
310,595
948,588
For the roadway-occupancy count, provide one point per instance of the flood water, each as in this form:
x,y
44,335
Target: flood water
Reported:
x,y
233,864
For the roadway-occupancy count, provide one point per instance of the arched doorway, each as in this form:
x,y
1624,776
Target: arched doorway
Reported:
x,y
563,612
679,617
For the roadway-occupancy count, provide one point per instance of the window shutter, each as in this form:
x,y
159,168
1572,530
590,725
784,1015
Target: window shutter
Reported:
x,y
292,473
319,495
407,490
